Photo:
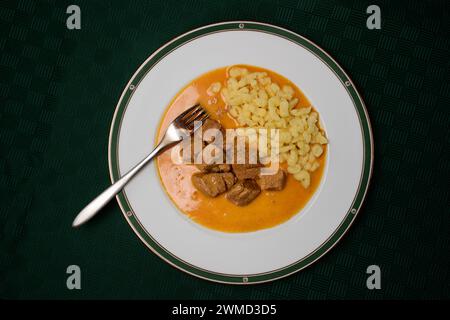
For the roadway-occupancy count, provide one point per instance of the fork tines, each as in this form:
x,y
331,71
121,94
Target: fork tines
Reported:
x,y
188,117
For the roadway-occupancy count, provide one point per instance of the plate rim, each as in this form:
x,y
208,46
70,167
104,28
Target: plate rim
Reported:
x,y
366,173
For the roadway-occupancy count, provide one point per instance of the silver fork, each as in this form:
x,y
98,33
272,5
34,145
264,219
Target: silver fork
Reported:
x,y
178,129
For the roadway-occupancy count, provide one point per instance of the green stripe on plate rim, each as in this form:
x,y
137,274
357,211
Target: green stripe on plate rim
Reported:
x,y
250,278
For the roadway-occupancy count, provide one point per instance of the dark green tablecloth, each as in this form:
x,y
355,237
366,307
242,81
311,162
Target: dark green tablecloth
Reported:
x,y
58,90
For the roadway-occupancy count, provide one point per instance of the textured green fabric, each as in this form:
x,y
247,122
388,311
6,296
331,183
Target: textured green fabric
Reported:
x,y
58,90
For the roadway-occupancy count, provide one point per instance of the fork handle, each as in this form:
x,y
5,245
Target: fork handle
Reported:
x,y
101,200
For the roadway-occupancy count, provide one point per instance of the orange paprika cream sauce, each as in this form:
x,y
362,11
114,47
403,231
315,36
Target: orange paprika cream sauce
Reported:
x,y
269,209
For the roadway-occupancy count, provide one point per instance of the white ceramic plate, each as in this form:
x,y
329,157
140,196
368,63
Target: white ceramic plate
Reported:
x,y
243,257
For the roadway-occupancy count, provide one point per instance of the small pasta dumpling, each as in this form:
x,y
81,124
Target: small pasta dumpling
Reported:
x,y
314,166
237,72
293,102
213,89
321,139
285,148
308,166
263,94
265,81
303,148
293,156
275,88
253,83
281,123
317,150
300,111
285,136
260,102
288,91
303,160
284,108
261,112
293,169
243,90
235,111
274,102
304,178
242,83
307,137
232,83
294,131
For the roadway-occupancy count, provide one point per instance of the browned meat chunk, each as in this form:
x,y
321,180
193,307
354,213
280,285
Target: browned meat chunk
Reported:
x,y
243,165
213,167
229,179
246,171
213,184
210,124
275,181
243,192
